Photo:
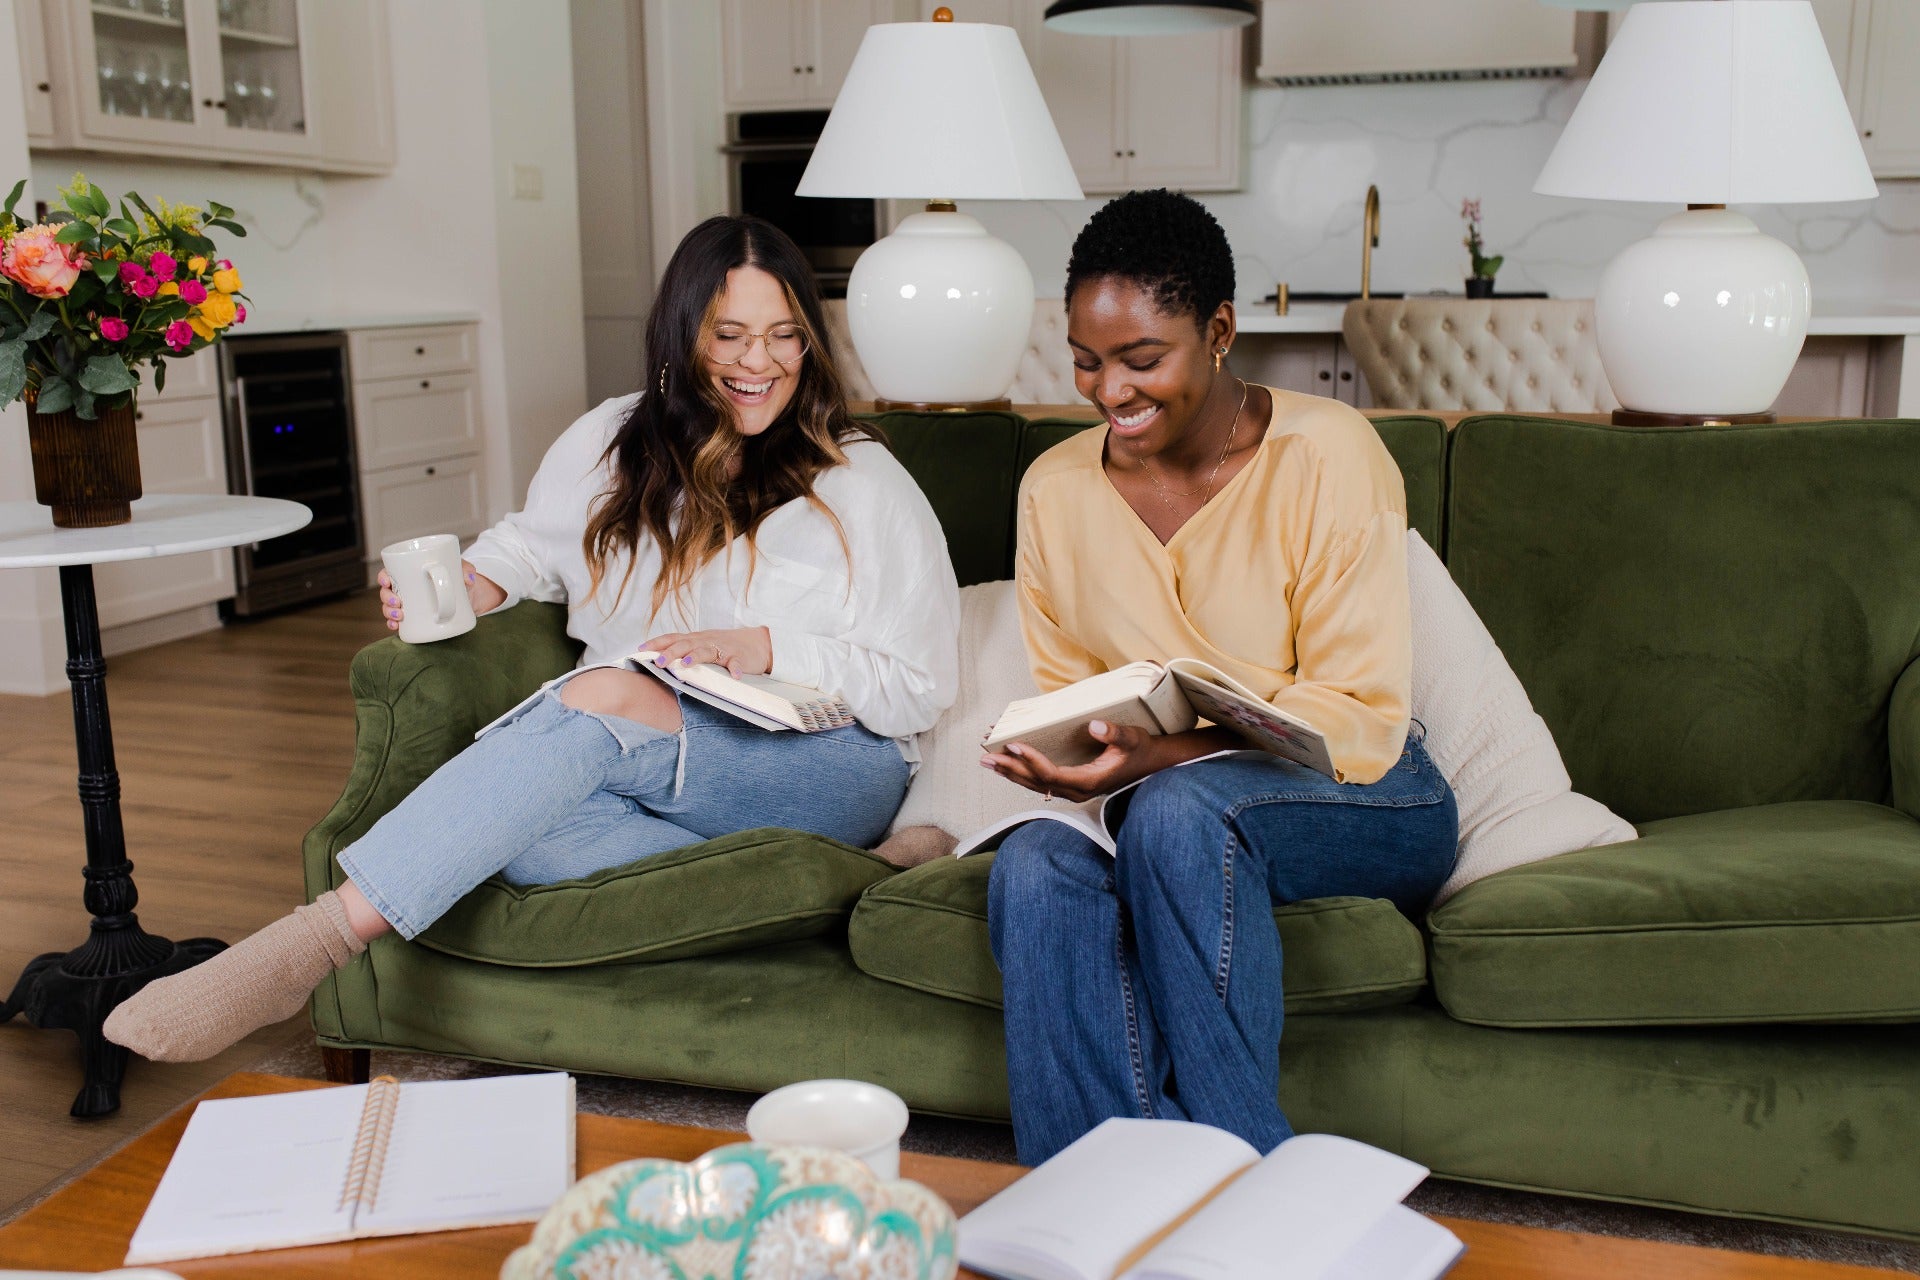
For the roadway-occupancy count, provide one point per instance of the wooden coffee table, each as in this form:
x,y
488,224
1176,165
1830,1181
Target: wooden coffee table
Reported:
x,y
85,1226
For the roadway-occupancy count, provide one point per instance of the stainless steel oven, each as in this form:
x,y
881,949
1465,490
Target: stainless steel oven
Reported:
x,y
767,151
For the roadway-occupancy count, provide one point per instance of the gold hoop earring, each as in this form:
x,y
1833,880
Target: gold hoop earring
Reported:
x,y
663,379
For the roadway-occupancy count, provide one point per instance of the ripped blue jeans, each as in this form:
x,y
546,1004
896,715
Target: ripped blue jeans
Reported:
x,y
1148,984
555,793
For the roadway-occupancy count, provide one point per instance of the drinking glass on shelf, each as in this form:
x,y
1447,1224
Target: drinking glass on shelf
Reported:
x,y
167,9
141,78
229,14
239,96
112,86
266,95
183,89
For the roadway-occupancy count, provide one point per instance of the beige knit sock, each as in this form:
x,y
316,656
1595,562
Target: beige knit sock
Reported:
x,y
911,846
259,980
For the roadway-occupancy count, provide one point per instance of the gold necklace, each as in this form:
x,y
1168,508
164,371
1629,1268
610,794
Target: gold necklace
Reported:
x,y
1167,495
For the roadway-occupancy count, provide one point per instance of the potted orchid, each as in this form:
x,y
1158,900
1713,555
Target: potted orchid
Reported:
x,y
1483,267
86,299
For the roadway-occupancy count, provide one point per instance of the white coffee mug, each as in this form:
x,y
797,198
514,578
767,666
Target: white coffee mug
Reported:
x,y
861,1119
427,577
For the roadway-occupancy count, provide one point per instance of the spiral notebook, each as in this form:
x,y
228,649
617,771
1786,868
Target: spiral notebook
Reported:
x,y
379,1159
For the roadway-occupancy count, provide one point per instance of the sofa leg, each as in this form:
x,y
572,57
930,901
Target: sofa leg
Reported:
x,y
346,1066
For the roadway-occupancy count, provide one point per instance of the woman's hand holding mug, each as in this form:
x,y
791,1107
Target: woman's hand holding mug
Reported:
x,y
443,608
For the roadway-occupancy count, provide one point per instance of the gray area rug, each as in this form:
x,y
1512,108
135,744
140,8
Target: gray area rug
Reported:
x,y
976,1140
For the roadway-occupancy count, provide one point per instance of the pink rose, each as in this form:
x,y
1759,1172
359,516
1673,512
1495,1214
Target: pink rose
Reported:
x,y
239,313
131,272
179,335
193,291
113,328
42,267
225,265
145,287
162,266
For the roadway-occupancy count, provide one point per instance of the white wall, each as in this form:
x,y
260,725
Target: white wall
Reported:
x,y
1312,152
616,226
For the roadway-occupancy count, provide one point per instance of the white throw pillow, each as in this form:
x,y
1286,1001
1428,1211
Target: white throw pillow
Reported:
x,y
950,790
1517,804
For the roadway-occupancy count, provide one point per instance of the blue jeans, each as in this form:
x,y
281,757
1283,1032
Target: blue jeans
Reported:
x,y
1148,984
557,793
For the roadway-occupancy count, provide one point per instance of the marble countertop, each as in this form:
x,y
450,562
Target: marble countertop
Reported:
x,y
315,322
1840,317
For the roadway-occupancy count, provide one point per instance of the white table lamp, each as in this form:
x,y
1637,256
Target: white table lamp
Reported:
x,y
1708,103
940,111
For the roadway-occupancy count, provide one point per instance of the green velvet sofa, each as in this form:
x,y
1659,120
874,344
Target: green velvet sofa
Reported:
x,y
1720,625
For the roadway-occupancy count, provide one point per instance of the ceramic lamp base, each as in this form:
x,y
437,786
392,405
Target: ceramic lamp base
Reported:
x,y
87,471
939,312
1634,418
1703,320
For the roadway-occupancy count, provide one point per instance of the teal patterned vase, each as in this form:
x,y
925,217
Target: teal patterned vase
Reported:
x,y
744,1212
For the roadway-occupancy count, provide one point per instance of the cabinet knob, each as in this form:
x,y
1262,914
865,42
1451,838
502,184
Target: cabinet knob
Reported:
x,y
1325,376
139,415
1129,153
424,384
1867,134
44,87
1346,375
430,470
796,71
419,351
809,70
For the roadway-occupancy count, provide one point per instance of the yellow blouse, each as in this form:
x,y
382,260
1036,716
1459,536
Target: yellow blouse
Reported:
x,y
1292,579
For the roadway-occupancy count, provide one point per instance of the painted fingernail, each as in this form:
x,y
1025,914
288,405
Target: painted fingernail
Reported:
x,y
686,659
1097,726
1015,749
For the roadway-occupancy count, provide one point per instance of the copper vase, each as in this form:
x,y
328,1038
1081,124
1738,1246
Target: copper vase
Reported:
x,y
88,472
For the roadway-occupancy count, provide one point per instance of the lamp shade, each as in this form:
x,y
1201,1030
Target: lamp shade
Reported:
x,y
1148,17
940,110
1712,102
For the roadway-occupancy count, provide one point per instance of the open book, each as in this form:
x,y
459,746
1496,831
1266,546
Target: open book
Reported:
x,y
1170,1200
760,700
1156,698
1096,819
378,1159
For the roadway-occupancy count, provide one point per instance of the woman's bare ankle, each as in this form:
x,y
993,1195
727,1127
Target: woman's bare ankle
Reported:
x,y
366,922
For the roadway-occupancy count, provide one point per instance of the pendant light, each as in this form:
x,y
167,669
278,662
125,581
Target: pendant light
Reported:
x,y
1148,17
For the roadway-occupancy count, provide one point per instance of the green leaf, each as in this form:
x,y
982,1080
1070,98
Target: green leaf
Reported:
x,y
58,217
13,370
142,205
1491,266
197,243
228,226
13,197
159,375
83,405
98,199
108,375
122,227
78,202
106,269
56,395
74,233
39,325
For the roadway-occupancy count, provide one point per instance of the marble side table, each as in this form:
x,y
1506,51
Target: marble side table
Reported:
x,y
77,989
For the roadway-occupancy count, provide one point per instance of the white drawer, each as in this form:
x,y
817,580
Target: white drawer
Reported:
x,y
405,420
196,377
395,353
182,450
442,496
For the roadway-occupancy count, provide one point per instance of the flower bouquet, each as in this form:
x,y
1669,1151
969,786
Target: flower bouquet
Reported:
x,y
86,298
1484,267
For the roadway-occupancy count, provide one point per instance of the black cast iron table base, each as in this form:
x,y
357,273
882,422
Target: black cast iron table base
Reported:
x,y
76,990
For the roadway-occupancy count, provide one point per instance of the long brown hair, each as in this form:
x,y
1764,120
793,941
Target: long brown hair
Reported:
x,y
672,460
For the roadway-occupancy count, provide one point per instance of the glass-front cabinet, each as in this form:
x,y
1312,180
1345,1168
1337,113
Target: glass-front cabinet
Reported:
x,y
226,76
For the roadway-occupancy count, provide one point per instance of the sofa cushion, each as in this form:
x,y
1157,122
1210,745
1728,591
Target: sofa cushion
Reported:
x,y
1706,617
747,889
1800,912
964,463
1418,445
927,929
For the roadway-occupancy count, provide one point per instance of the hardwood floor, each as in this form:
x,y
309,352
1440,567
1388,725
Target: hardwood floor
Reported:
x,y
229,746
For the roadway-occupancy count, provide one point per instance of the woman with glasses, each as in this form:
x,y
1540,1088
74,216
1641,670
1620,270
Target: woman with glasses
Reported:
x,y
731,513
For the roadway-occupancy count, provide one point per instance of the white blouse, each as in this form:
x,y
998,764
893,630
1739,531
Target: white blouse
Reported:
x,y
883,635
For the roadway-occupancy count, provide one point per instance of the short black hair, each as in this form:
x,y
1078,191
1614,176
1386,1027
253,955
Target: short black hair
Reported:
x,y
1164,242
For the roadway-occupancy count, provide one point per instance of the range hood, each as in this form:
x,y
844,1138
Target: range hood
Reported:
x,y
1311,42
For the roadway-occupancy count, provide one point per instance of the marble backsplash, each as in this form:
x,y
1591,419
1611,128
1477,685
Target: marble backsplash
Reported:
x,y
1313,151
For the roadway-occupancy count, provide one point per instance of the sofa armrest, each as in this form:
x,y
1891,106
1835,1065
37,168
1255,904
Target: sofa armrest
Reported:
x,y
418,706
1903,730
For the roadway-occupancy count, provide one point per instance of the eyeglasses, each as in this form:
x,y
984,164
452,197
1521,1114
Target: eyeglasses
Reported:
x,y
786,344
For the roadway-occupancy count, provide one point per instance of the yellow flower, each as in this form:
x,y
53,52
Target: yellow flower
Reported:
x,y
201,327
218,310
169,289
227,281
196,265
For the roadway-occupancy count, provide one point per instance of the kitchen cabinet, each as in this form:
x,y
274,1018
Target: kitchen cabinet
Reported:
x,y
35,79
1160,111
791,54
1872,43
182,450
1318,364
417,437
283,82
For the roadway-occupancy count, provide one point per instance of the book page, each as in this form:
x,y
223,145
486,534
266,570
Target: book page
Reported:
x,y
1290,1217
1097,697
1086,817
1404,1245
1077,1216
1231,705
254,1173
472,1152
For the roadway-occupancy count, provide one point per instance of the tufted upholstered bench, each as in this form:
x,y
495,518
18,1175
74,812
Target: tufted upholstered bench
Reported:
x,y
1536,355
